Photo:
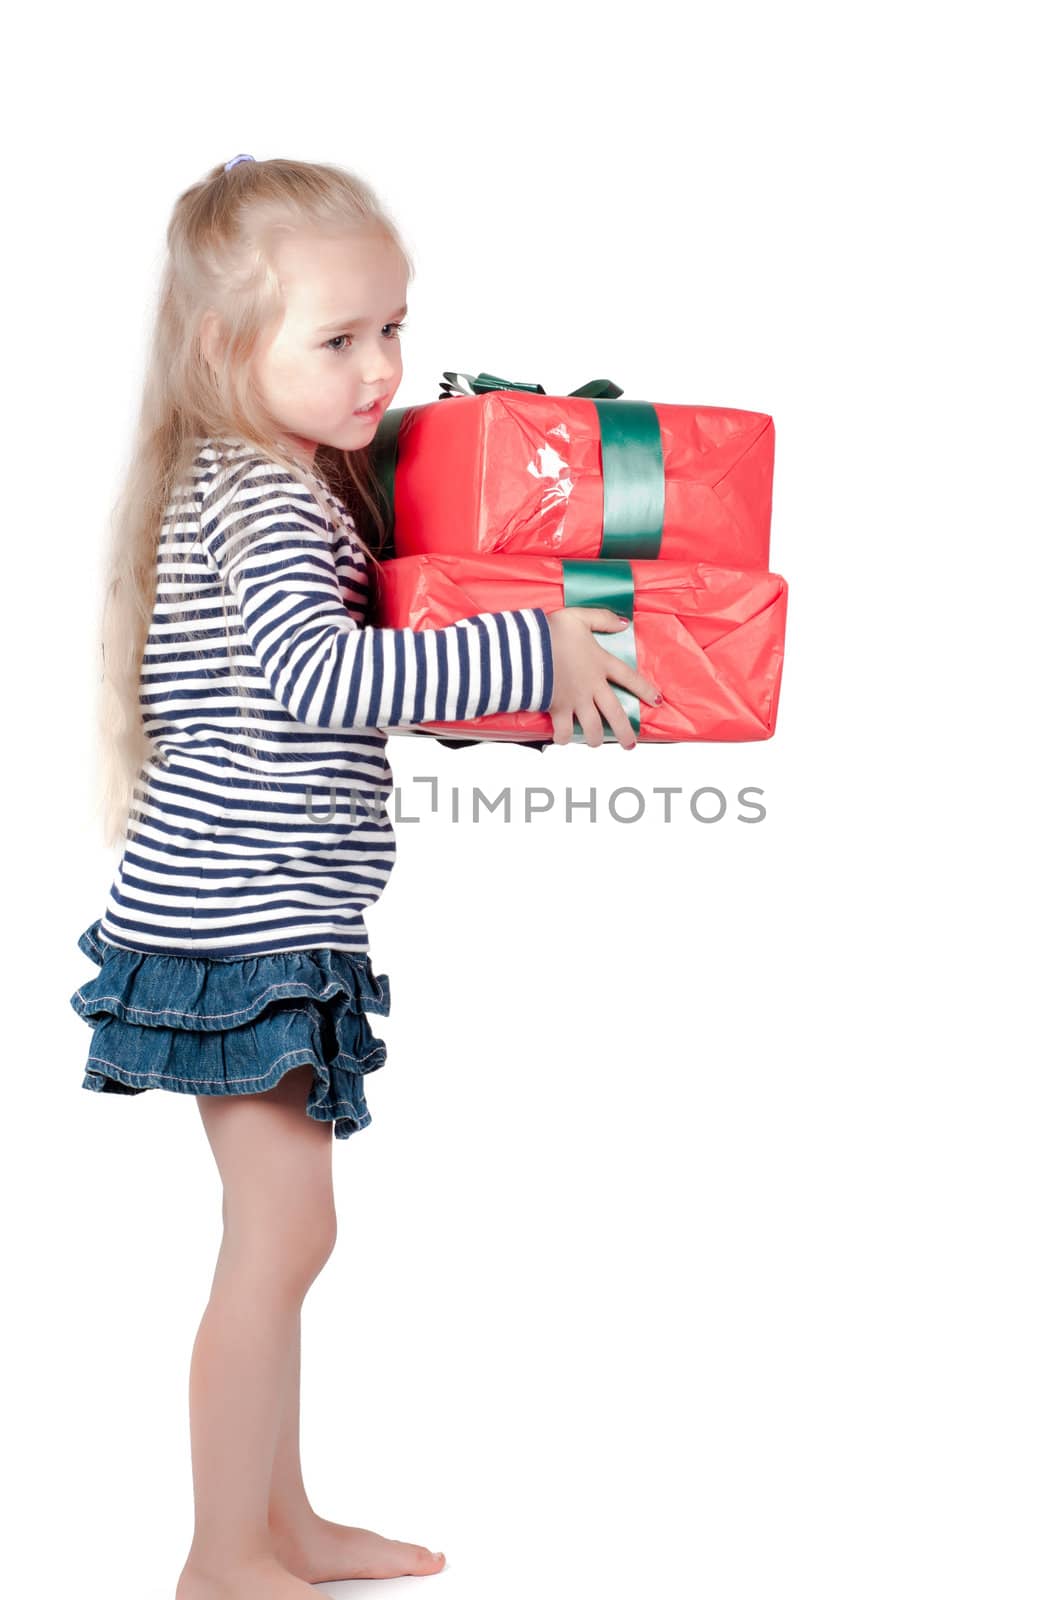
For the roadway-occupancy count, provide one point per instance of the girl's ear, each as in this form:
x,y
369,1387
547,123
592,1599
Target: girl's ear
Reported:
x,y
208,338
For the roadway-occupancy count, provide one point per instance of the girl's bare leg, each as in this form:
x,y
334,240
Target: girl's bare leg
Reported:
x,y
311,1546
279,1229
289,1505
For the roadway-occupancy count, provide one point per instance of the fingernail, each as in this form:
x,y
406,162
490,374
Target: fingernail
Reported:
x,y
658,697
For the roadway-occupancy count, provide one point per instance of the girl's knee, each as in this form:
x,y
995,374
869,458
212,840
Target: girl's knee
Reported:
x,y
283,1252
322,1233
308,1242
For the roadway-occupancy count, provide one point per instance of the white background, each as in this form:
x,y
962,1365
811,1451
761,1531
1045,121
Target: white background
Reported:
x,y
706,1238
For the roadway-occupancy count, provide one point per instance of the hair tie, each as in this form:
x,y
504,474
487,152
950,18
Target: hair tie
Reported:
x,y
235,159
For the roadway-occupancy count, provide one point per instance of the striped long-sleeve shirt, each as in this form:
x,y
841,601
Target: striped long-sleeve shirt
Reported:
x,y
268,831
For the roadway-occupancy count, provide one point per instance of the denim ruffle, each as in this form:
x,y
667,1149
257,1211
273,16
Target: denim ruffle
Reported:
x,y
234,1025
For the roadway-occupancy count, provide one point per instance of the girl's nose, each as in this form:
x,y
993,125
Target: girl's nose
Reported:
x,y
382,370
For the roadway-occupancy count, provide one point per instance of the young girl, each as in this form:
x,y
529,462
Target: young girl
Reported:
x,y
244,703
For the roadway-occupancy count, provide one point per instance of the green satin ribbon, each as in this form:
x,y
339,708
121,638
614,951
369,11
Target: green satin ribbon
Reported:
x,y
383,455
611,584
632,462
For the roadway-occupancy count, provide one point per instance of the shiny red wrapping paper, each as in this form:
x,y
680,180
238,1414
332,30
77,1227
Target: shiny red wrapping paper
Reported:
x,y
711,637
514,473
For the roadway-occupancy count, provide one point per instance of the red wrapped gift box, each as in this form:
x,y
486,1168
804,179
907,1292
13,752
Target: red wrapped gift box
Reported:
x,y
711,637
509,472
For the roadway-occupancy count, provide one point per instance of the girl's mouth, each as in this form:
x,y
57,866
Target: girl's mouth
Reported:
x,y
371,413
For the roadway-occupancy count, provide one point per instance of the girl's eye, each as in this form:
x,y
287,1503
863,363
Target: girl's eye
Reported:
x,y
333,344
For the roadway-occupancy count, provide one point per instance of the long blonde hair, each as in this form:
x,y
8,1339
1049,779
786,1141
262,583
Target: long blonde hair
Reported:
x,y
219,243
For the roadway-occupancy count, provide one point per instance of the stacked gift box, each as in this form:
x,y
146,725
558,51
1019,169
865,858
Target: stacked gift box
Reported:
x,y
500,496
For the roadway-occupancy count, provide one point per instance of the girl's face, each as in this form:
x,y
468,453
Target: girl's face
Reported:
x,y
337,347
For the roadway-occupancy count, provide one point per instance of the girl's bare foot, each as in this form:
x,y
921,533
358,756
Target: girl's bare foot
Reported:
x,y
318,1550
264,1579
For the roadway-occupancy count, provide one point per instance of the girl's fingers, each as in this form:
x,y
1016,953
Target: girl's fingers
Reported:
x,y
601,618
617,718
629,678
590,722
563,729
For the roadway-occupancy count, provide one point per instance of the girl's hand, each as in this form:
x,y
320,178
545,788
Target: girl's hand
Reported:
x,y
582,670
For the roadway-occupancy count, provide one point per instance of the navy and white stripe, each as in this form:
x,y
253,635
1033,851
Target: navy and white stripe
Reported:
x,y
267,831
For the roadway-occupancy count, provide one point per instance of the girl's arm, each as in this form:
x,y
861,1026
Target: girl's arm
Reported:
x,y
263,535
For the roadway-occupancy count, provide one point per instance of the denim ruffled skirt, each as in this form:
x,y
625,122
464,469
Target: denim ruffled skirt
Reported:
x,y
234,1024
